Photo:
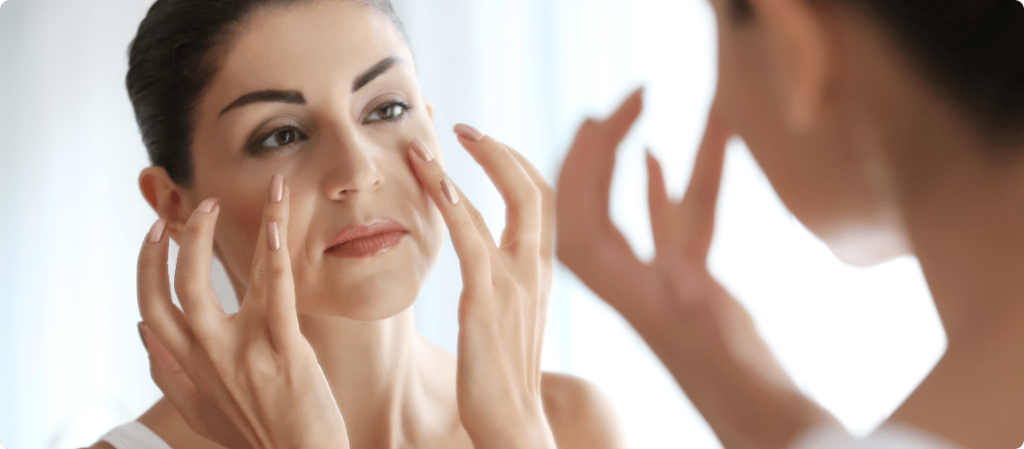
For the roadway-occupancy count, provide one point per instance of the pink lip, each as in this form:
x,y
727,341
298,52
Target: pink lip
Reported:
x,y
367,239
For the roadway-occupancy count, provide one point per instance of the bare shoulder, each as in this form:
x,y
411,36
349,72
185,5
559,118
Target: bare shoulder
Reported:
x,y
581,415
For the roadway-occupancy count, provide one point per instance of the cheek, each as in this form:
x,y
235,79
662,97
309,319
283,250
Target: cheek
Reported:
x,y
238,228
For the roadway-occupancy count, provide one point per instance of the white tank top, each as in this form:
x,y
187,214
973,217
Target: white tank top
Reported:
x,y
134,435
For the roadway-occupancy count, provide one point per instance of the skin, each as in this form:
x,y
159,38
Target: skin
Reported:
x,y
877,161
323,352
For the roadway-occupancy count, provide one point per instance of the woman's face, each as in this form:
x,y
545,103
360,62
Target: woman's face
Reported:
x,y
325,94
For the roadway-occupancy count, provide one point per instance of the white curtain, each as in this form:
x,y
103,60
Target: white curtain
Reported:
x,y
524,71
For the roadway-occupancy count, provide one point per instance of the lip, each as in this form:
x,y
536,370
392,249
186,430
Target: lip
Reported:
x,y
367,239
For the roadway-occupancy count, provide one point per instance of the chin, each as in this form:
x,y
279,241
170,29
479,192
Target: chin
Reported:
x,y
370,300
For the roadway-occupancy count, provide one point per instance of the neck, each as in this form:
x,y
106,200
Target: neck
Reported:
x,y
383,375
962,208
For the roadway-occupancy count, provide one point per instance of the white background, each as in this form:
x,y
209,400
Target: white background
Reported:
x,y
525,71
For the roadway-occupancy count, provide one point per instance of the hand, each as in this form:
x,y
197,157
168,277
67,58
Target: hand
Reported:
x,y
505,293
700,332
249,379
676,288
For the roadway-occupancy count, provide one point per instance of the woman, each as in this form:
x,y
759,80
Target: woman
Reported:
x,y
290,139
888,128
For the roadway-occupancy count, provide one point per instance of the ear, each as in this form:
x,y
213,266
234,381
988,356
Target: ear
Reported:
x,y
430,109
168,200
797,42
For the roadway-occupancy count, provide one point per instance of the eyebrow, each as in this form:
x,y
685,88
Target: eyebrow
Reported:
x,y
276,96
373,72
295,97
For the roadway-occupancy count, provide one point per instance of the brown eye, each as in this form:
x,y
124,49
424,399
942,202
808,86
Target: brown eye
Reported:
x,y
388,111
281,138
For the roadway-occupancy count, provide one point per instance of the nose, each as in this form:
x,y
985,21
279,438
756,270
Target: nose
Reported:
x,y
352,168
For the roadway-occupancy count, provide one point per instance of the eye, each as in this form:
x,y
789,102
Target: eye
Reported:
x,y
281,138
389,111
277,139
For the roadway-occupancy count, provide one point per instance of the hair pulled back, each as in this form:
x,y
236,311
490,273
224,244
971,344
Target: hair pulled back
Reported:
x,y
172,60
972,49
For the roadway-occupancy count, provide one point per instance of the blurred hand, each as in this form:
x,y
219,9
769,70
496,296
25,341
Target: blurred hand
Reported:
x,y
246,380
676,288
505,292
700,332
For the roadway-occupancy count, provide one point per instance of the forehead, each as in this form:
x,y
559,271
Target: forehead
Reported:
x,y
316,46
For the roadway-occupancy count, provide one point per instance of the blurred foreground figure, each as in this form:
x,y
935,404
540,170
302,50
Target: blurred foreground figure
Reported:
x,y
888,128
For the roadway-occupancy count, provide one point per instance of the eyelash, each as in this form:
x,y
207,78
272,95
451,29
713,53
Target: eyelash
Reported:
x,y
257,147
405,111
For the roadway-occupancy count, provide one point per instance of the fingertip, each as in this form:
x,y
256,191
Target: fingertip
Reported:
x,y
468,132
420,150
638,94
207,206
276,189
273,236
448,189
156,232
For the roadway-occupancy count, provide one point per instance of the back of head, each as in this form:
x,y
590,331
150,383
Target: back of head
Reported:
x,y
974,49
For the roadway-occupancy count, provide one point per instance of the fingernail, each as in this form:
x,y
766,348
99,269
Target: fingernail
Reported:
x,y
449,191
143,336
468,132
276,189
207,206
156,233
273,237
421,150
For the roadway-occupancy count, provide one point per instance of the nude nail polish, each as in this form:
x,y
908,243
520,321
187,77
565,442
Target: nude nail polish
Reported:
x,y
277,189
273,236
449,191
207,206
468,132
156,233
421,150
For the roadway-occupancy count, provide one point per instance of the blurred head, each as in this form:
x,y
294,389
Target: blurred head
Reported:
x,y
229,93
818,88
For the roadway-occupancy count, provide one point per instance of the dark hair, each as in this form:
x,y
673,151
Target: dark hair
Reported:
x,y
172,60
973,49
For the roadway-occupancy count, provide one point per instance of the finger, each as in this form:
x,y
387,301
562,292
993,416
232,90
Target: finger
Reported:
x,y
547,194
478,220
546,253
170,377
697,209
154,290
273,282
522,197
584,184
192,277
659,204
587,240
179,389
474,257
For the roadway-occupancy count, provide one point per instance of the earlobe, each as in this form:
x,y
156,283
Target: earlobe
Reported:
x,y
164,196
799,47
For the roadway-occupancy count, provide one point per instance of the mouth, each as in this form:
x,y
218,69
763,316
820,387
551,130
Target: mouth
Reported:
x,y
367,239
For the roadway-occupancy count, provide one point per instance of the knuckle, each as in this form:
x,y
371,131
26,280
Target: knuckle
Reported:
x,y
186,288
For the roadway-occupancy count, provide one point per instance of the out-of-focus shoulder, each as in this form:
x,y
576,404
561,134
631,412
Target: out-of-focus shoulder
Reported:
x,y
580,414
